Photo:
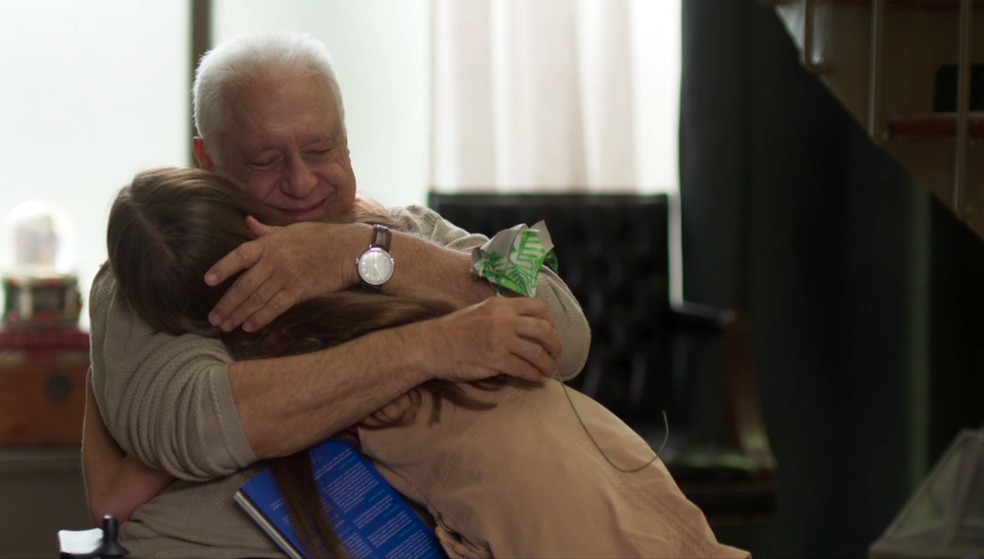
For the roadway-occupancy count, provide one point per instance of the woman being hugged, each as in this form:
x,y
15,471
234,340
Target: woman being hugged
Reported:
x,y
463,451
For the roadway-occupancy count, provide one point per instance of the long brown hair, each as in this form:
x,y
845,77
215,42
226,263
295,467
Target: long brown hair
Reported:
x,y
170,225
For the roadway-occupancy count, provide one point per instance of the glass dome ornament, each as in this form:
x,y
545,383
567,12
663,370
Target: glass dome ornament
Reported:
x,y
40,286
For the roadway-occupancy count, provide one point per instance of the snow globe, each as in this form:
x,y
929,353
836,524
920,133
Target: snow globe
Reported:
x,y
40,286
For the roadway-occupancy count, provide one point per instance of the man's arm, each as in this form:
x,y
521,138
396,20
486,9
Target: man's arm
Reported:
x,y
115,484
164,399
432,260
287,404
179,404
286,265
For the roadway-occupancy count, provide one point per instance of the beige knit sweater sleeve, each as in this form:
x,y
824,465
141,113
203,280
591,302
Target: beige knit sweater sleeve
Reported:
x,y
165,399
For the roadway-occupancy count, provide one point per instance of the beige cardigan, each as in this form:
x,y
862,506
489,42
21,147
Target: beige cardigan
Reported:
x,y
167,400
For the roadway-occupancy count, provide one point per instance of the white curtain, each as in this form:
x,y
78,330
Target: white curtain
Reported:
x,y
554,95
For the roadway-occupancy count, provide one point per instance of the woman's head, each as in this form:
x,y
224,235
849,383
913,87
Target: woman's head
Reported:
x,y
165,230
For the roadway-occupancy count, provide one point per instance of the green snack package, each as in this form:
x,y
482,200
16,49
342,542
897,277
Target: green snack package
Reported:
x,y
512,259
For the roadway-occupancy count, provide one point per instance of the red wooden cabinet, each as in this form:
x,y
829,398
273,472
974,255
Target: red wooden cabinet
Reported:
x,y
42,387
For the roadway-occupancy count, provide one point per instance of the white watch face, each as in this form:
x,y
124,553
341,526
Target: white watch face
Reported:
x,y
375,266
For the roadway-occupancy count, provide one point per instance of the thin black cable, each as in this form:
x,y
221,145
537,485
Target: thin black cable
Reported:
x,y
666,436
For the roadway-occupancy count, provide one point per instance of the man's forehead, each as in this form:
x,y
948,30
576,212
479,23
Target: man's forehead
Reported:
x,y
296,114
257,132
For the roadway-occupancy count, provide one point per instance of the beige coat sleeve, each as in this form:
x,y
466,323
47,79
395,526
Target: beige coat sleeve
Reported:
x,y
571,323
165,399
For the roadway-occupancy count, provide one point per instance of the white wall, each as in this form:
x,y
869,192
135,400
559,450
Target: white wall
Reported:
x,y
91,93
95,91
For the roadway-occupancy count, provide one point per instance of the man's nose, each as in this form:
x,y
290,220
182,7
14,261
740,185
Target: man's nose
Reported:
x,y
299,179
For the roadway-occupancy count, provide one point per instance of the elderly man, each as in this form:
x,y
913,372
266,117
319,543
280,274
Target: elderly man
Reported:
x,y
269,116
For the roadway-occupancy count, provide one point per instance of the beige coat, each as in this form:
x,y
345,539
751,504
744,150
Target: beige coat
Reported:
x,y
525,480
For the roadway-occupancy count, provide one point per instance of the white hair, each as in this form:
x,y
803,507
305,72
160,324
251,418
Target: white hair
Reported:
x,y
253,58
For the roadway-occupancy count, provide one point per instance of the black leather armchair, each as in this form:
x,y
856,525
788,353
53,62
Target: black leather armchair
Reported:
x,y
647,354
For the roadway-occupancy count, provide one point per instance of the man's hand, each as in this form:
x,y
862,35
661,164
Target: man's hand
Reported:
x,y
511,336
283,266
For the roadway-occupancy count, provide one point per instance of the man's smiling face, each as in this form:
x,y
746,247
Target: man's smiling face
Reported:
x,y
287,145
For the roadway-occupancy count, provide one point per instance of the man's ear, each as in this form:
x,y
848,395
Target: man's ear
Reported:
x,y
204,159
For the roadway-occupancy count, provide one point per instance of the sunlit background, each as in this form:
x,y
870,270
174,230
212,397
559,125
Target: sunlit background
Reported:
x,y
97,90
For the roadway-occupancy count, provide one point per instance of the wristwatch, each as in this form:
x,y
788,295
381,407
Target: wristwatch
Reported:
x,y
375,265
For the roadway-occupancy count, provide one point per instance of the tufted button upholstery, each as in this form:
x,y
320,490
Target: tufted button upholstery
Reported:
x,y
607,257
612,251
